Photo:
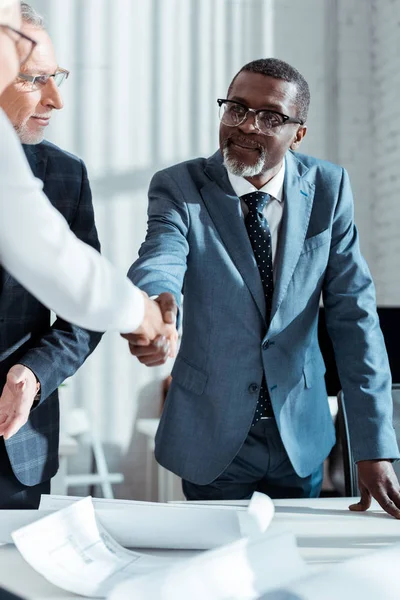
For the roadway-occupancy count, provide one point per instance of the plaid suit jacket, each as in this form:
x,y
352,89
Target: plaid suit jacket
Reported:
x,y
52,352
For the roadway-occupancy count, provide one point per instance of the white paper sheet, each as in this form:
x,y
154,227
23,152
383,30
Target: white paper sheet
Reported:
x,y
135,524
243,570
73,551
56,502
228,503
370,577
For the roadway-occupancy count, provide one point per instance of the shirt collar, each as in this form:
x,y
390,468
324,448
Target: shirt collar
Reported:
x,y
274,187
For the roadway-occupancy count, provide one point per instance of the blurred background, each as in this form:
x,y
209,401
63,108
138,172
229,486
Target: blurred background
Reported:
x,y
145,75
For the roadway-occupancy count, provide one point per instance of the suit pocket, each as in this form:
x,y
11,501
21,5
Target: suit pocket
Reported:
x,y
188,376
316,240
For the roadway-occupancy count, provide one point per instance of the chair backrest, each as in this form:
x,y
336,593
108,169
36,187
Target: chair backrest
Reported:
x,y
343,435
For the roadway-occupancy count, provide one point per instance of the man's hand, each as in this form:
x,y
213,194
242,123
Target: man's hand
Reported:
x,y
377,479
154,349
16,400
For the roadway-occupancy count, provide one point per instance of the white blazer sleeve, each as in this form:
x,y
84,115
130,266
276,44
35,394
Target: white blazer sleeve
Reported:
x,y
41,252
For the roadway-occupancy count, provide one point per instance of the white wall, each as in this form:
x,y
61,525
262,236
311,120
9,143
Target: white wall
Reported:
x,y
142,94
145,76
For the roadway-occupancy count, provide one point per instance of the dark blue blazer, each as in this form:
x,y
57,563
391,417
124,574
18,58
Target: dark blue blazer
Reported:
x,y
52,352
4,595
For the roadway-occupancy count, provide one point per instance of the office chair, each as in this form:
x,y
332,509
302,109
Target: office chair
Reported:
x,y
348,467
343,437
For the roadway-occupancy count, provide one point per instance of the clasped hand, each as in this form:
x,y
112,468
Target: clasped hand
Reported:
x,y
16,400
157,337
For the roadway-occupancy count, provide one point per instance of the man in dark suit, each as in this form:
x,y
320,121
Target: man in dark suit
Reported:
x,y
36,357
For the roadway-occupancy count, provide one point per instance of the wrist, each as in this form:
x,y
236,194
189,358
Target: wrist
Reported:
x,y
36,382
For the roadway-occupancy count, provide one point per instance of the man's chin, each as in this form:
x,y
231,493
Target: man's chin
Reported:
x,y
30,138
240,168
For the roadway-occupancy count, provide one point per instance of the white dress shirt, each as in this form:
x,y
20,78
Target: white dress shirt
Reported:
x,y
273,210
38,248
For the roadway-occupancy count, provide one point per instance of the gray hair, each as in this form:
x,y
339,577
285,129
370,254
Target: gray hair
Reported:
x,y
29,16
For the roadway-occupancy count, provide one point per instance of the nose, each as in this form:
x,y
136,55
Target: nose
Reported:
x,y
51,97
249,125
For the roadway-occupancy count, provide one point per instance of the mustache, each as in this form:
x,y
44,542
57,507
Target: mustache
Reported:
x,y
244,141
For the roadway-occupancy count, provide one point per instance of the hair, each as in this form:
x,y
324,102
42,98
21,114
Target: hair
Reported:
x,y
29,16
273,67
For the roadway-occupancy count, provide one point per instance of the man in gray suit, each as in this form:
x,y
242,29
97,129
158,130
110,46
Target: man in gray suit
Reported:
x,y
253,236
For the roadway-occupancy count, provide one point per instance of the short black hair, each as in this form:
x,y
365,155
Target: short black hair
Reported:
x,y
273,67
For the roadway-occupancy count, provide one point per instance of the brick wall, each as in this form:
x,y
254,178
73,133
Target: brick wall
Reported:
x,y
385,167
349,51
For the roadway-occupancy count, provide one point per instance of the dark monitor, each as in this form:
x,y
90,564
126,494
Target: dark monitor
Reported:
x,y
390,324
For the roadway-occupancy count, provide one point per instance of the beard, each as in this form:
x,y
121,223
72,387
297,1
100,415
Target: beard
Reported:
x,y
27,137
241,169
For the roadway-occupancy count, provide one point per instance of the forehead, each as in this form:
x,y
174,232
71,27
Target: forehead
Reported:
x,y
260,91
43,59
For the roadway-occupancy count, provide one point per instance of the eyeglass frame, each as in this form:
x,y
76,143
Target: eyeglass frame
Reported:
x,y
286,119
25,37
32,78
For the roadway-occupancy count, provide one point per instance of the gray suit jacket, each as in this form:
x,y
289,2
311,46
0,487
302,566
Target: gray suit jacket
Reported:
x,y
197,242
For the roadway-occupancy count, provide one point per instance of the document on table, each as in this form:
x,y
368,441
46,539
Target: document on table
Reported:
x,y
73,550
244,570
136,524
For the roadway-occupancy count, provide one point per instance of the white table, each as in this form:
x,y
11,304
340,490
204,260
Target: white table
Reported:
x,y
326,533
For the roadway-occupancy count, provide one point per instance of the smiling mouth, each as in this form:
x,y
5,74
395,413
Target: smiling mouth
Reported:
x,y
244,146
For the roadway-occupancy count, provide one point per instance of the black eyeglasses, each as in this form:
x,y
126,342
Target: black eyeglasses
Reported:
x,y
25,45
268,122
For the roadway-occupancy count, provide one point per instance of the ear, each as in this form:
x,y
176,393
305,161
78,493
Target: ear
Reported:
x,y
300,133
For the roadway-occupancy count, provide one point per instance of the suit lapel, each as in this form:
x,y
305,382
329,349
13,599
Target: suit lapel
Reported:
x,y
298,201
224,208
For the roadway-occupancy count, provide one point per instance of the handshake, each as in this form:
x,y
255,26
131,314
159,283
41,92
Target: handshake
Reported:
x,y
153,342
157,337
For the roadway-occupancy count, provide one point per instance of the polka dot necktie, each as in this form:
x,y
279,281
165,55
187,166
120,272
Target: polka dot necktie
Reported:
x,y
261,242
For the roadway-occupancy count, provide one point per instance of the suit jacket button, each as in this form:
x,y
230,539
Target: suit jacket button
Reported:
x,y
253,388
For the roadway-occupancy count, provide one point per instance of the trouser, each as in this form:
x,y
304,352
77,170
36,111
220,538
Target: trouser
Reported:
x,y
261,465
